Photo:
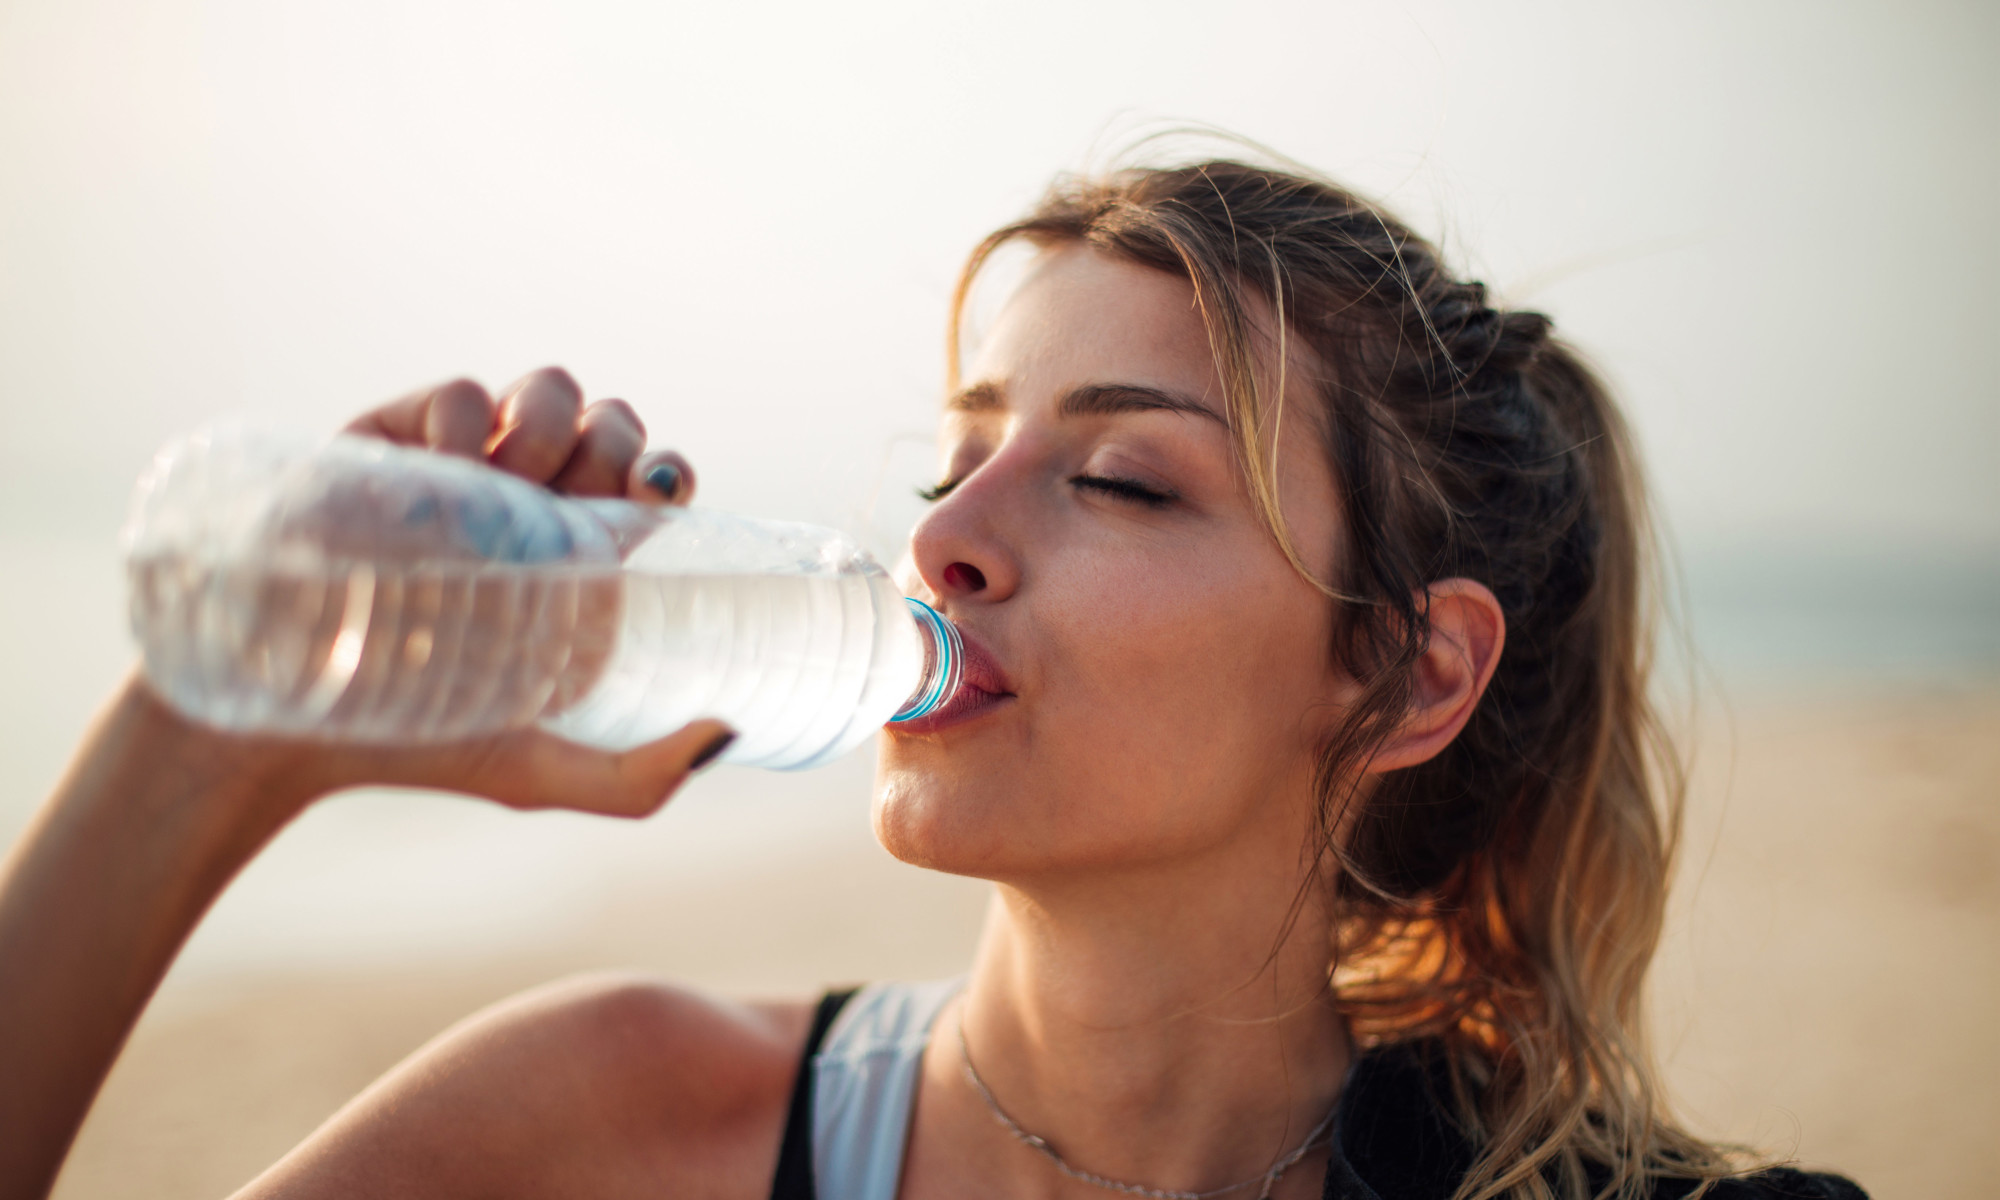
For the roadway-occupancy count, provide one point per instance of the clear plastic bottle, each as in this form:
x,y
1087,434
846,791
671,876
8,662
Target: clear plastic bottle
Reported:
x,y
363,592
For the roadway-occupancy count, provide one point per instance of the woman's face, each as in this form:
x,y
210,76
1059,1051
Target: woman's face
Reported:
x,y
1157,676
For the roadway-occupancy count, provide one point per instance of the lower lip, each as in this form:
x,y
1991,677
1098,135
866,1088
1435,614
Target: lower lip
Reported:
x,y
968,704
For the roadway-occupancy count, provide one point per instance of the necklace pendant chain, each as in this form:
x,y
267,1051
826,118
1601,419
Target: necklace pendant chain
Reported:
x,y
1269,1178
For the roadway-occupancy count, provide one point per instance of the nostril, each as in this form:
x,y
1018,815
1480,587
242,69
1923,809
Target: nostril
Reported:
x,y
964,577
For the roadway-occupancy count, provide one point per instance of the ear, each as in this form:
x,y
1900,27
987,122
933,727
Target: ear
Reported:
x,y
1467,633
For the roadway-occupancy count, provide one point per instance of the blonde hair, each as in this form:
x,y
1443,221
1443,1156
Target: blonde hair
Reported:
x,y
1500,903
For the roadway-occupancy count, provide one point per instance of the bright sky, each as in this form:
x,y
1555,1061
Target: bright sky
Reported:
x,y
1772,223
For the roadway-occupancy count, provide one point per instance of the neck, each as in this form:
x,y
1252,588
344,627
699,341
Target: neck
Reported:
x,y
1163,1027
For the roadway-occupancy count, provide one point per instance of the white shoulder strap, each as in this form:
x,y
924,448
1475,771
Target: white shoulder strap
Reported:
x,y
865,1087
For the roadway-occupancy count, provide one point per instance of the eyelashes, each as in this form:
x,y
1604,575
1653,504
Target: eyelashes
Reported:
x,y
1122,489
1125,489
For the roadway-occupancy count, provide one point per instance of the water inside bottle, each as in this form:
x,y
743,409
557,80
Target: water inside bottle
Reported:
x,y
423,654
804,667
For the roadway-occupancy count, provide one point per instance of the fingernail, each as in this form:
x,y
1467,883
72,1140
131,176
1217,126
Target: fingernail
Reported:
x,y
715,748
666,480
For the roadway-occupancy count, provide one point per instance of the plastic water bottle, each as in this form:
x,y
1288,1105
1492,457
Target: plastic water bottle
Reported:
x,y
363,592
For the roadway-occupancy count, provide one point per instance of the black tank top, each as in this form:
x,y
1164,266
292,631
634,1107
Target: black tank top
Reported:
x,y
1391,1140
794,1178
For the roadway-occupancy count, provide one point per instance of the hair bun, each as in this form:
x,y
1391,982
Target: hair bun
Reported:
x,y
1479,337
1518,336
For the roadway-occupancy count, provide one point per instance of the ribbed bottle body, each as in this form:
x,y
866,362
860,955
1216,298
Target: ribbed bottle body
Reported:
x,y
366,593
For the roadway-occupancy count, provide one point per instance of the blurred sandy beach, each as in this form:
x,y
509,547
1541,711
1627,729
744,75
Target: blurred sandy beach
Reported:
x,y
1825,992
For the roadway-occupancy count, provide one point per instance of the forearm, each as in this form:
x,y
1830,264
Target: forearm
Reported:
x,y
148,826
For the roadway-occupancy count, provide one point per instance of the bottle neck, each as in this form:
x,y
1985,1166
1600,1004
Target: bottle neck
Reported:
x,y
944,662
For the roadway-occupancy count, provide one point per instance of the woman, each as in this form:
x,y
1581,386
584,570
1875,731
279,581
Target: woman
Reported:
x,y
1305,738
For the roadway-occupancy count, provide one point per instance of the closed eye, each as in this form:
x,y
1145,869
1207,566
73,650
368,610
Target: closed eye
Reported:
x,y
1123,489
1126,489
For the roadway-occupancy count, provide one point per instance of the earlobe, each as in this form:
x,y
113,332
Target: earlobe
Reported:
x,y
1467,633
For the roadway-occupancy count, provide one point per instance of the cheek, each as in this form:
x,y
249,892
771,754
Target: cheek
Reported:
x,y
1175,677
1187,626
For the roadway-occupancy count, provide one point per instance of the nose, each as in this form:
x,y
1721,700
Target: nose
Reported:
x,y
963,549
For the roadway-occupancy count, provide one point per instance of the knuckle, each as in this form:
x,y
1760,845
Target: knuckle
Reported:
x,y
535,460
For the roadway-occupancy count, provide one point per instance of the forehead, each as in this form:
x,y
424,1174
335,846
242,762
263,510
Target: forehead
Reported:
x,y
1081,313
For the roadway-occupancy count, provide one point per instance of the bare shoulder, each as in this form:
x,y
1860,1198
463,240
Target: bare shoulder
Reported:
x,y
603,1085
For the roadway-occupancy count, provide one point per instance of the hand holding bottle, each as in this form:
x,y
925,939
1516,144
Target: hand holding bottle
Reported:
x,y
360,593
541,431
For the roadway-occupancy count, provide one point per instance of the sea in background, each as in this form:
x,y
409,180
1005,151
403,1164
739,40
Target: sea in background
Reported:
x,y
1764,620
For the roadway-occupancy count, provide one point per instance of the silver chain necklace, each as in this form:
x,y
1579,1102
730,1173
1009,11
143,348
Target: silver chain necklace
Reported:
x,y
1036,1142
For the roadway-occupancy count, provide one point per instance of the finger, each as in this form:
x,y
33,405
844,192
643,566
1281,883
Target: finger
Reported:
x,y
455,417
662,477
538,425
610,440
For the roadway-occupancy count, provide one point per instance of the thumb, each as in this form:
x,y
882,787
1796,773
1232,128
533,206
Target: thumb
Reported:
x,y
657,769
661,477
541,770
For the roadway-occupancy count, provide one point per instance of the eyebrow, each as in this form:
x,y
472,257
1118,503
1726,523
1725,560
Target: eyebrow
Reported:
x,y
1091,400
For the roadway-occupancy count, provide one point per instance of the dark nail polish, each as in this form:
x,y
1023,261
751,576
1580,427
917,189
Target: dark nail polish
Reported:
x,y
712,751
664,479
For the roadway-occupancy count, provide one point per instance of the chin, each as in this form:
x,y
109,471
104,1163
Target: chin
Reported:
x,y
939,823
997,826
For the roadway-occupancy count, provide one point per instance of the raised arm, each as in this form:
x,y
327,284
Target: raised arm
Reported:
x,y
156,814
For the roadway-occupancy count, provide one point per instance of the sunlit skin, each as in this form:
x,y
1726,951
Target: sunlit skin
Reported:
x,y
1135,777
